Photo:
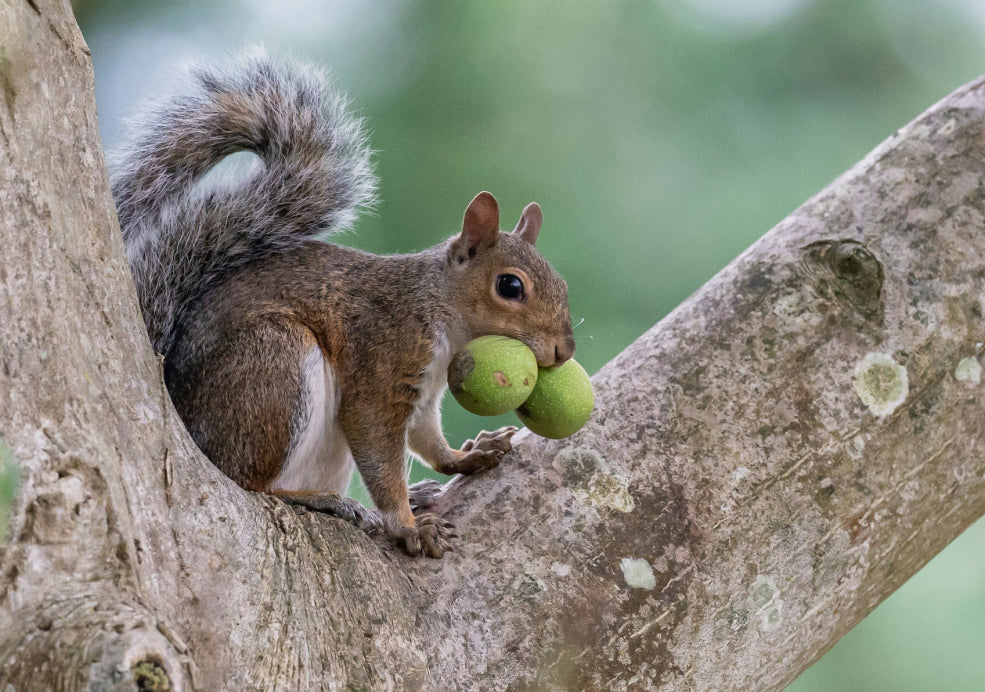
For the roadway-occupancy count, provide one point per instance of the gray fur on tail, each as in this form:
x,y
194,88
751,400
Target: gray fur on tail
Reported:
x,y
181,237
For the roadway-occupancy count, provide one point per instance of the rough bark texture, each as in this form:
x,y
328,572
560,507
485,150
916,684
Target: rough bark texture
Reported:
x,y
764,466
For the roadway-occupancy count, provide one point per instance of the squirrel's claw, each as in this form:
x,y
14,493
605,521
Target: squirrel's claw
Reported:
x,y
430,535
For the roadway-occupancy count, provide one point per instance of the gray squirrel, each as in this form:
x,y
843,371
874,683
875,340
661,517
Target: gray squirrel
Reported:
x,y
290,359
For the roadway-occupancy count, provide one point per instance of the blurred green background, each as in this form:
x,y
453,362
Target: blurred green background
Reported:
x,y
661,138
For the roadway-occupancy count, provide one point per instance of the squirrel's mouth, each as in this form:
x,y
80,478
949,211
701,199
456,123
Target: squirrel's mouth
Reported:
x,y
555,352
549,356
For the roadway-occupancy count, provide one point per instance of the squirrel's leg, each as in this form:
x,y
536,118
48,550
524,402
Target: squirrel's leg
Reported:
x,y
379,454
427,441
284,405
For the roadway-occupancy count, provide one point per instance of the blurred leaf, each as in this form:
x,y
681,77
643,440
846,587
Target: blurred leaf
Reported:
x,y
9,481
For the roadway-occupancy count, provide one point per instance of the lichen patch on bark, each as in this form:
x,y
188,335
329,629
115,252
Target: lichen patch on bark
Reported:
x,y
638,573
766,602
881,383
592,480
968,370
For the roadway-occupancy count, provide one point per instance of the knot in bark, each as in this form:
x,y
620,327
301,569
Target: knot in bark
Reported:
x,y
848,272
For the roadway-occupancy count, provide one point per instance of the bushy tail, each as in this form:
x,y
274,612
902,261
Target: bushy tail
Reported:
x,y
180,236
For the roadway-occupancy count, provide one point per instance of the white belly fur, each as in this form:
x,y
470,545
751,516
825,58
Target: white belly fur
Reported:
x,y
434,380
319,459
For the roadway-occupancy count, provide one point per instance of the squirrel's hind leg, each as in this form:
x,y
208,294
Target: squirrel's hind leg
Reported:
x,y
242,417
276,430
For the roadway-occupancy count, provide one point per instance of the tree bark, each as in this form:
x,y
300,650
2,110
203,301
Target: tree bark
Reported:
x,y
763,467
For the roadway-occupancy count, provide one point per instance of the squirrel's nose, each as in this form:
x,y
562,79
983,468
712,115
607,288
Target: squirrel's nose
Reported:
x,y
564,350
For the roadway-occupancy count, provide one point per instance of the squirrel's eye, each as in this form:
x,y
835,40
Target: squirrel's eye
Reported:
x,y
509,286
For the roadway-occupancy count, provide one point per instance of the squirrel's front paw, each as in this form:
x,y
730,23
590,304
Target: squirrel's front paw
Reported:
x,y
430,535
486,450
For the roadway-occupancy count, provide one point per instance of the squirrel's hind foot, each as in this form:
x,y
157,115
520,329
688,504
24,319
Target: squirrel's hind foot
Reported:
x,y
336,505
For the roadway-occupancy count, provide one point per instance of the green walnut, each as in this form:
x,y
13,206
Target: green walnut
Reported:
x,y
561,403
492,375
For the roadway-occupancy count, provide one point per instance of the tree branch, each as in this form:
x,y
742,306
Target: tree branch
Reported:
x,y
764,466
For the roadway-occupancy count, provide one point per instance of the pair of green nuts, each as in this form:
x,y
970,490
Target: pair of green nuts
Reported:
x,y
496,374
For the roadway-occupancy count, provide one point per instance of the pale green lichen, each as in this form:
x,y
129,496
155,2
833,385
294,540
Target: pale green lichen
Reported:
x,y
591,479
771,617
765,598
151,675
638,573
881,383
969,370
610,491
762,590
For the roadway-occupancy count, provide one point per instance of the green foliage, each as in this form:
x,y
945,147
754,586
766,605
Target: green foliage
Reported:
x,y
9,480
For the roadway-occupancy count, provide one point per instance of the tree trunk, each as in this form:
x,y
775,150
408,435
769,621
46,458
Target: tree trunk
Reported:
x,y
764,466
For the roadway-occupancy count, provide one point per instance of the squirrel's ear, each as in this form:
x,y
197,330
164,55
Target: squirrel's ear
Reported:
x,y
480,229
528,226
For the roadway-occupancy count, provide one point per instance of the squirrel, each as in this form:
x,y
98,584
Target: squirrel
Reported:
x,y
289,359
